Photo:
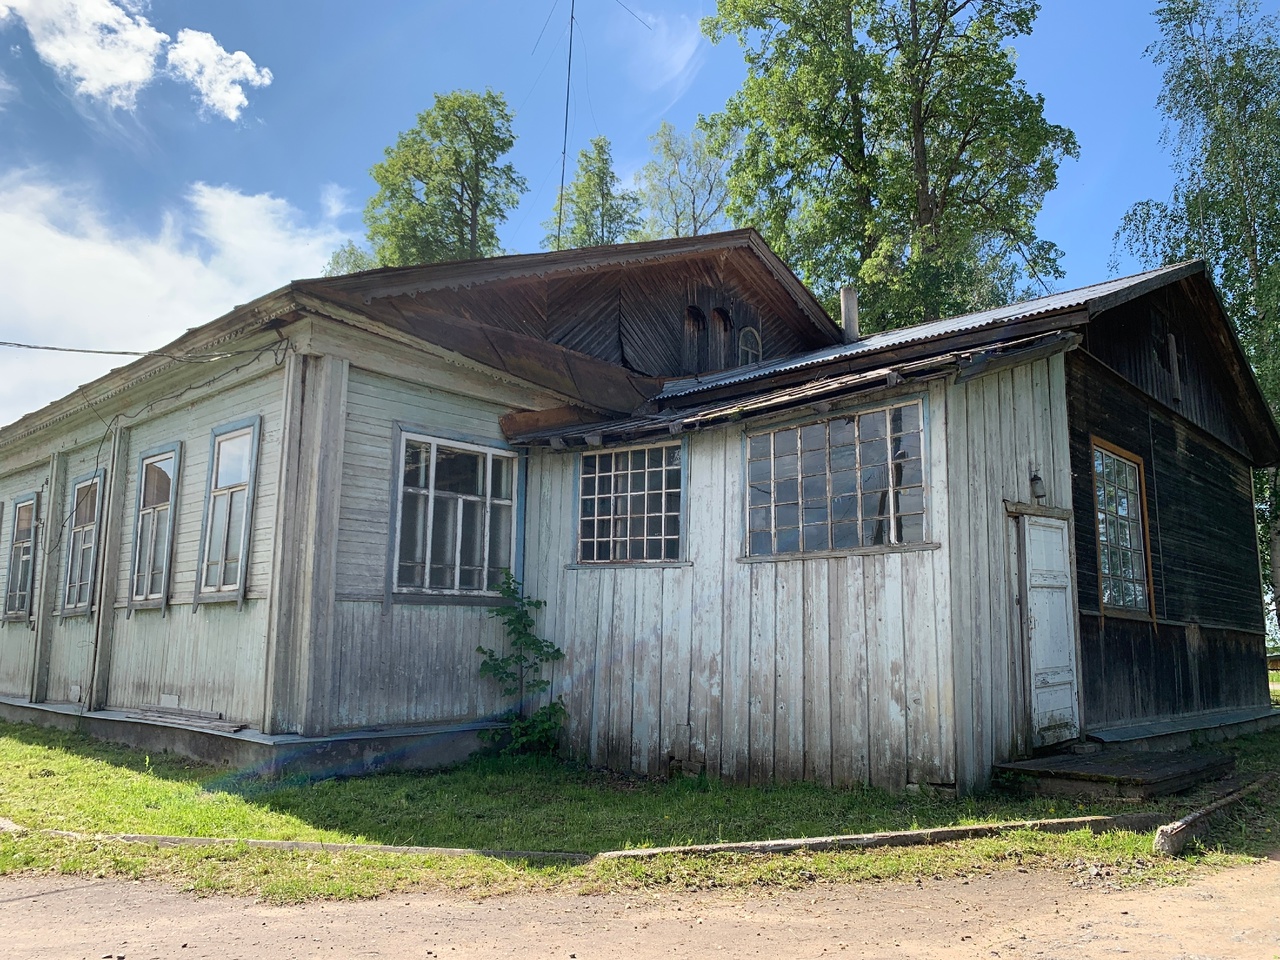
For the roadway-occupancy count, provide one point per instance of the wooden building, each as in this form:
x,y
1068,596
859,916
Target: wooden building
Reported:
x,y
771,548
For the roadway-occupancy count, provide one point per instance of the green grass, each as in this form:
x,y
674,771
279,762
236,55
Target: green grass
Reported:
x,y
1273,678
60,781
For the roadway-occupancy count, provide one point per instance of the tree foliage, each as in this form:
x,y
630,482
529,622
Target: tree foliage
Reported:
x,y
349,258
596,209
683,189
442,187
889,142
1221,102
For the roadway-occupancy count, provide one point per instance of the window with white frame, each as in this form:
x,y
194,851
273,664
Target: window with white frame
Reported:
x,y
17,597
750,350
1122,552
457,516
82,544
153,528
848,482
228,510
629,505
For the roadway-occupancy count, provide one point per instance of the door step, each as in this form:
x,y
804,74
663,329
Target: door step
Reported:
x,y
1115,773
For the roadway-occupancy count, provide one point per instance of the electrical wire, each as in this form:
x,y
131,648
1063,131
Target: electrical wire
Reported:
x,y
181,358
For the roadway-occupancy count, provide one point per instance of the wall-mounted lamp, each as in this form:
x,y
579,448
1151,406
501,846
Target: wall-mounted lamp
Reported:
x,y
1037,487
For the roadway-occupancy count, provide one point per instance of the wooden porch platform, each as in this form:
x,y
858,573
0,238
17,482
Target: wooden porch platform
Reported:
x,y
1117,773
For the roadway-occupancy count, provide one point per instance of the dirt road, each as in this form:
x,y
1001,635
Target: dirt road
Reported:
x,y
1040,914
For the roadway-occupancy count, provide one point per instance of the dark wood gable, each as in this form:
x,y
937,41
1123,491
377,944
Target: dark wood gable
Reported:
x,y
659,309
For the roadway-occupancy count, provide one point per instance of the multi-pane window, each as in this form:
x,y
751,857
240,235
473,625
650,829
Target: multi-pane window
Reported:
x,y
852,481
1122,557
629,505
17,598
749,348
457,509
227,511
154,527
82,545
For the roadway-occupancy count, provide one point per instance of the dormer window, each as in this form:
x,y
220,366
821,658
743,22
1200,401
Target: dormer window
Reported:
x,y
750,349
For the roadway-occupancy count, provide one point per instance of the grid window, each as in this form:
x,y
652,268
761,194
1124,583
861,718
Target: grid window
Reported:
x,y
629,505
1122,558
839,484
457,517
17,597
750,349
154,529
82,546
228,511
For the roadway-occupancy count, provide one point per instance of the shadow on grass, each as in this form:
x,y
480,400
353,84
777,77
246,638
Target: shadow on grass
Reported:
x,y
499,803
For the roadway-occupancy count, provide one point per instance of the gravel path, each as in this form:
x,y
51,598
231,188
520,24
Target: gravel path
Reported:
x,y
1045,914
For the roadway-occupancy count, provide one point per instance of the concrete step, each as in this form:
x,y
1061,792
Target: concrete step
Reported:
x,y
1116,773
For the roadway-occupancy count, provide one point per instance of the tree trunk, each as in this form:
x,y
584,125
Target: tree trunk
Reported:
x,y
1275,542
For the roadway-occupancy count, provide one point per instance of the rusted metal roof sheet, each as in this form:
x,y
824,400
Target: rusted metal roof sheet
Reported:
x,y
1003,321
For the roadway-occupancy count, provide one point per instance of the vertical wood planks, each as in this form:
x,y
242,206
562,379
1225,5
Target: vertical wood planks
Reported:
x,y
789,637
736,638
817,670
760,712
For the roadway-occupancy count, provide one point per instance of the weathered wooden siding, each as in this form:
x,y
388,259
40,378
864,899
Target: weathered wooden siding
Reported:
x,y
17,639
410,663
1204,649
825,668
70,641
211,658
1001,428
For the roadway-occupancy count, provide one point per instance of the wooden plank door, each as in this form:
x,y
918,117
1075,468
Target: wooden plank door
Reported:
x,y
1050,625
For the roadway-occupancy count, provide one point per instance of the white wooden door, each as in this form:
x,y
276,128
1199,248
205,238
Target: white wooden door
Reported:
x,y
1051,630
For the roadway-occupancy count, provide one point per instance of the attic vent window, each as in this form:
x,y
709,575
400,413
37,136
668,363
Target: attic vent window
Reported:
x,y
750,349
839,484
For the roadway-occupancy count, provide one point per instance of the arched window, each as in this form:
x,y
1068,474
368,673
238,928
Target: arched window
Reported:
x,y
749,348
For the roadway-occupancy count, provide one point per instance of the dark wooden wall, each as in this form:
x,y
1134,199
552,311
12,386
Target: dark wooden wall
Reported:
x,y
1204,648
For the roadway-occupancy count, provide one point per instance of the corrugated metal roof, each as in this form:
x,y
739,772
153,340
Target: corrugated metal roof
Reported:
x,y
1096,297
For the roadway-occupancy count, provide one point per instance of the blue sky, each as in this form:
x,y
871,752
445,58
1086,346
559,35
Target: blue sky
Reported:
x,y
161,162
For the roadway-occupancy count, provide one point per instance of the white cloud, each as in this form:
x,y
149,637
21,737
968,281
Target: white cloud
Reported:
x,y
333,201
669,55
72,279
219,77
109,52
8,91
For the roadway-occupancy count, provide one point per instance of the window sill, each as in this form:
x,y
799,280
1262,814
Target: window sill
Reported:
x,y
630,565
1127,613
837,554
74,614
232,596
155,603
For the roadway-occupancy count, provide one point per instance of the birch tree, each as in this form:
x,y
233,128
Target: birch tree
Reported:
x,y
683,188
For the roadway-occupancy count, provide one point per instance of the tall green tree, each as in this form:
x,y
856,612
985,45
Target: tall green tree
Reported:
x,y
595,209
683,189
1221,102
349,258
443,187
890,143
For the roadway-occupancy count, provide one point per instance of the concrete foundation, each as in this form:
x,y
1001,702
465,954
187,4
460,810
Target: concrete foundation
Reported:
x,y
255,754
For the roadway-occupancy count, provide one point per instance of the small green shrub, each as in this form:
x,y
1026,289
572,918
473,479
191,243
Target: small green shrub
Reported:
x,y
519,673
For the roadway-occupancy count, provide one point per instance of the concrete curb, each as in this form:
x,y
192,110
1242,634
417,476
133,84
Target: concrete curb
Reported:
x,y
1172,838
900,838
1138,822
